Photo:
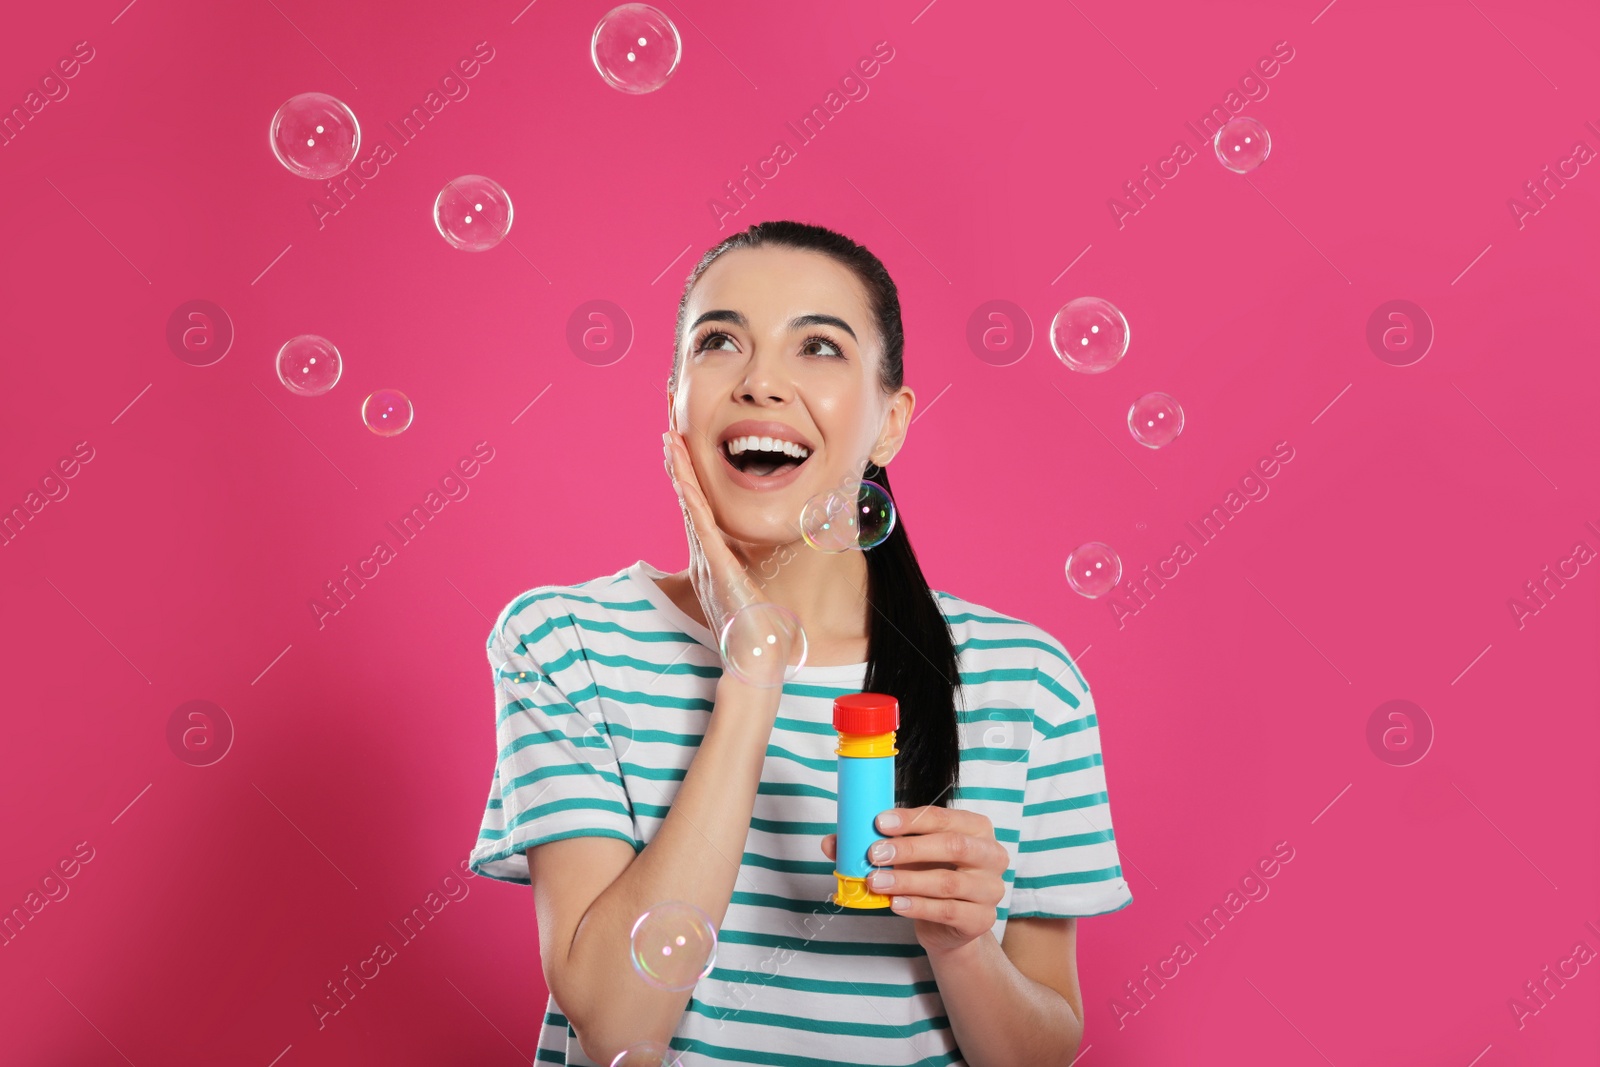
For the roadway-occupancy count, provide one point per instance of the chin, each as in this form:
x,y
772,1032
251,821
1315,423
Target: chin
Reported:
x,y
763,510
770,522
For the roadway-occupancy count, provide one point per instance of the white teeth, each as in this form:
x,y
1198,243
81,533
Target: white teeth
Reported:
x,y
737,445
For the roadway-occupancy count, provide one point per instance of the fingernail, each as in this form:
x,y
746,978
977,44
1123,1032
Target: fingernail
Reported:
x,y
888,820
900,903
882,852
882,879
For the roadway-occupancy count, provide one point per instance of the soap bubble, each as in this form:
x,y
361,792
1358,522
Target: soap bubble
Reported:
x,y
473,213
1242,144
647,1054
518,677
763,644
858,514
315,135
1089,334
826,522
386,412
635,48
309,365
1155,419
673,945
1093,569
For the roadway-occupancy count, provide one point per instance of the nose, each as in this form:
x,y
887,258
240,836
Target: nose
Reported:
x,y
765,380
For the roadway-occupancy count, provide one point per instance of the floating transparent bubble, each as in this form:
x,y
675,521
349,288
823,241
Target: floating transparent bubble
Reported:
x,y
827,522
673,945
1156,420
647,1054
858,514
635,48
309,365
874,514
315,135
1089,334
1242,144
473,213
518,678
386,412
763,644
1093,569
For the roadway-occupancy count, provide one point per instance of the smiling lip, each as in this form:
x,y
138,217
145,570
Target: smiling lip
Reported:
x,y
758,483
762,428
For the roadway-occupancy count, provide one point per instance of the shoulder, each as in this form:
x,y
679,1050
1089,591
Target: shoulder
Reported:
x,y
987,640
545,612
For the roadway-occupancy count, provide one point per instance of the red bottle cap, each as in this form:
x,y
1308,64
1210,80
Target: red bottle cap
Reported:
x,y
866,713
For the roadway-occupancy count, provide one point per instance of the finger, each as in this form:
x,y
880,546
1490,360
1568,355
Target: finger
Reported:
x,y
927,819
678,471
931,818
669,460
947,847
712,540
962,915
683,462
687,483
977,887
830,845
680,481
700,509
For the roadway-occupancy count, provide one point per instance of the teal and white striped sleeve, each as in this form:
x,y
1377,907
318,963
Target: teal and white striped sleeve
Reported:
x,y
1067,863
556,774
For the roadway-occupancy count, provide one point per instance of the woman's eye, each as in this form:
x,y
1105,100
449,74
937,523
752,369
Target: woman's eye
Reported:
x,y
811,345
710,341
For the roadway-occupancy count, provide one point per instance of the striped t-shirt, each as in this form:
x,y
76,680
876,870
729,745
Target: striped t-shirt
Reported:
x,y
603,691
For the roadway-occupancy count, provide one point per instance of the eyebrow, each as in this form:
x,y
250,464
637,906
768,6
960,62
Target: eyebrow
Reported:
x,y
799,322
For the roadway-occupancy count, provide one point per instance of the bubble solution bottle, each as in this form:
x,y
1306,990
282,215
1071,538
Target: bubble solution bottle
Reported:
x,y
866,723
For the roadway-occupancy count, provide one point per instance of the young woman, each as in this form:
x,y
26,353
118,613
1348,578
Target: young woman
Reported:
x,y
632,769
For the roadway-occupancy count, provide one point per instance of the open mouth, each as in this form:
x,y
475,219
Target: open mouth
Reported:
x,y
764,457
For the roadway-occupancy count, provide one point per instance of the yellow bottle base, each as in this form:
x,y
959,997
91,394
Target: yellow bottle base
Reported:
x,y
853,893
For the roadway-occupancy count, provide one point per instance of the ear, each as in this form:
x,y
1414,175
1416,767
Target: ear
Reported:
x,y
895,425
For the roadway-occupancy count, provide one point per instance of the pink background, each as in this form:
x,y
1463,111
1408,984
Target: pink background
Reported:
x,y
1234,707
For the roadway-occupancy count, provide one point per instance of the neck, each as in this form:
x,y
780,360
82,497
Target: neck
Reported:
x,y
827,590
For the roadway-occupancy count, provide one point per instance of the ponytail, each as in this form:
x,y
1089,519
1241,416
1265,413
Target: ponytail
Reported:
x,y
911,656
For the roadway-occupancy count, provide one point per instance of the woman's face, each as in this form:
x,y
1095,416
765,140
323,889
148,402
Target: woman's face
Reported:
x,y
782,337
